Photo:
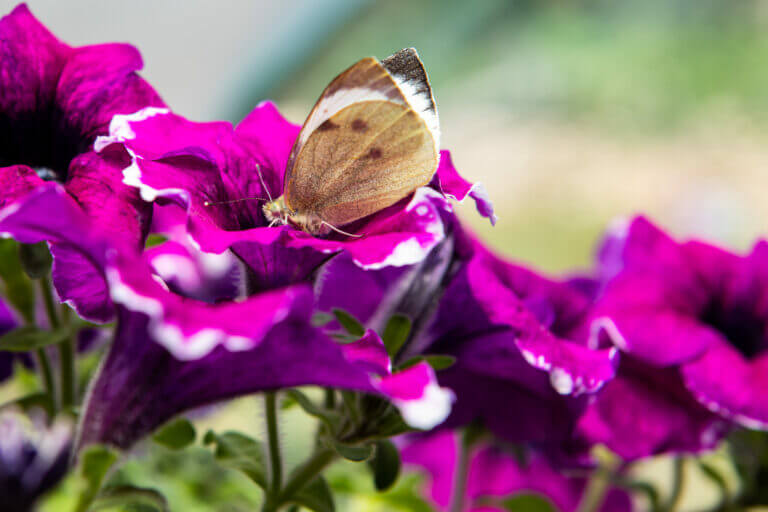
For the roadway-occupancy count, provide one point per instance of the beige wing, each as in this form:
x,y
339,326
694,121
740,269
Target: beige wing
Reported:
x,y
367,156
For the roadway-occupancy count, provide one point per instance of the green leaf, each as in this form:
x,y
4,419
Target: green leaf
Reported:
x,y
18,289
176,434
154,239
396,333
237,451
385,465
125,496
35,259
529,502
437,362
349,323
392,424
440,362
320,319
95,462
330,417
25,339
354,452
316,495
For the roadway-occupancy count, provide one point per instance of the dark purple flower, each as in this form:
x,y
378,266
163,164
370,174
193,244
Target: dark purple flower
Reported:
x,y
693,320
215,173
172,353
494,473
522,366
55,101
33,458
8,321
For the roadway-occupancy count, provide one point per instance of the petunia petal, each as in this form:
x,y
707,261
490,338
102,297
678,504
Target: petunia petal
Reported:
x,y
448,181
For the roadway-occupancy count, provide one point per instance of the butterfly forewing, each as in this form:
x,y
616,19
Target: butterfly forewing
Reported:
x,y
368,156
371,139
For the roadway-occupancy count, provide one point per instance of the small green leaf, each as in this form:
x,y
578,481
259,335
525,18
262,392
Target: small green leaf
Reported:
x,y
176,434
316,495
396,333
349,323
128,497
354,452
440,362
330,417
18,288
154,239
35,259
95,462
529,502
320,319
385,465
29,338
237,451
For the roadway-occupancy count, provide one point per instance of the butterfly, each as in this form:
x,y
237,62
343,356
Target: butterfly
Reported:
x,y
372,139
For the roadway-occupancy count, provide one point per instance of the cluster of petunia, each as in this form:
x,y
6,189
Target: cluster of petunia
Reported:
x,y
659,348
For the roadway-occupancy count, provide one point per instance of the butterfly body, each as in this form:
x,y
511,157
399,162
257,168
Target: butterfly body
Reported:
x,y
371,140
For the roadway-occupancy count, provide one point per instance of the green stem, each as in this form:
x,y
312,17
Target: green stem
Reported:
x,y
275,460
460,477
44,366
67,354
66,348
307,472
50,306
678,483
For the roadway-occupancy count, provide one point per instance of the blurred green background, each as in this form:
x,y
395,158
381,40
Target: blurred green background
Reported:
x,y
572,113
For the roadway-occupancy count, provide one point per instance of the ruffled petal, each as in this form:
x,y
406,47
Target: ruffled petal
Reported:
x,y
448,181
730,385
191,329
141,385
647,412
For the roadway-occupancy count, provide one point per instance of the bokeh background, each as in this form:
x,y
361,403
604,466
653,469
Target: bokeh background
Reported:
x,y
572,113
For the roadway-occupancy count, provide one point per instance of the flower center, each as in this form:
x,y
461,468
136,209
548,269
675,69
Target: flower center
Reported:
x,y
742,326
39,141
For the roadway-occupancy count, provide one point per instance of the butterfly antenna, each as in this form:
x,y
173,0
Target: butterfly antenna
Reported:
x,y
213,203
263,185
338,230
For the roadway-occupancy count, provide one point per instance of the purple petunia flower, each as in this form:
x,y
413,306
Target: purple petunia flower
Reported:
x,y
693,321
515,335
221,176
54,101
33,458
494,474
173,352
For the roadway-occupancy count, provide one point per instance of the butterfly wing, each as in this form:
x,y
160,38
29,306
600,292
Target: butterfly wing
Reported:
x,y
371,139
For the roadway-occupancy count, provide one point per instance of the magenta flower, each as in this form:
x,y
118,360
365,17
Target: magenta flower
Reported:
x,y
515,335
221,176
692,318
56,100
494,474
173,352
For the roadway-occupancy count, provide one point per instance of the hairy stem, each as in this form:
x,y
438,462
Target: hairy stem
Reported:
x,y
275,460
459,495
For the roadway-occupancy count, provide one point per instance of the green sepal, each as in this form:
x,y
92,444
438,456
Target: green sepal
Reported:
x,y
385,465
238,451
176,434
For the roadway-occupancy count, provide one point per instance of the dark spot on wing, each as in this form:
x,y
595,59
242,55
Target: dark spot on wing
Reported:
x,y
327,125
359,125
373,154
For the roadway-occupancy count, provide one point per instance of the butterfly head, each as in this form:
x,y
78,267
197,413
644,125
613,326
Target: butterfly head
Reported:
x,y
277,212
